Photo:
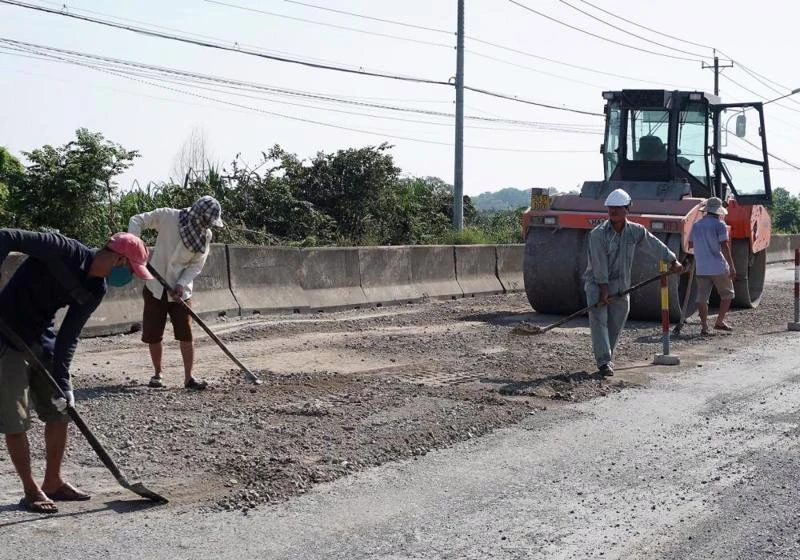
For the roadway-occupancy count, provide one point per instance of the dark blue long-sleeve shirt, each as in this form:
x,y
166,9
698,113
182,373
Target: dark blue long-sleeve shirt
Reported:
x,y
55,275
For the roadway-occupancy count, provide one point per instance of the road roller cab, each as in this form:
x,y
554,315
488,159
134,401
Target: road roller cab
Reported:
x,y
669,150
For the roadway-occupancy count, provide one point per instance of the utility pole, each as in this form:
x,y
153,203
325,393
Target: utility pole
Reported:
x,y
458,175
716,68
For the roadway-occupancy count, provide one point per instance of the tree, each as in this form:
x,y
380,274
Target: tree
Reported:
x,y
71,189
11,174
194,160
785,211
350,185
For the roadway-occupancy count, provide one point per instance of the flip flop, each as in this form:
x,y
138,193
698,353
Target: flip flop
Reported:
x,y
38,506
704,332
196,384
723,327
68,493
156,382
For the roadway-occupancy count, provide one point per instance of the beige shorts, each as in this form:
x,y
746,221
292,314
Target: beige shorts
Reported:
x,y
722,282
19,389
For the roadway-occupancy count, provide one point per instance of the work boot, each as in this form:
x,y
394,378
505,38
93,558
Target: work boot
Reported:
x,y
606,370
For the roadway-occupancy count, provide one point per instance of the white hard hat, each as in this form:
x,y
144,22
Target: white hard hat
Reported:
x,y
618,197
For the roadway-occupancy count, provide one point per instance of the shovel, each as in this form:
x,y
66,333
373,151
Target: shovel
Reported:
x,y
247,373
35,363
528,329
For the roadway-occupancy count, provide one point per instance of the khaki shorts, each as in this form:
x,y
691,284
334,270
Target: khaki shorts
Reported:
x,y
154,318
722,282
19,388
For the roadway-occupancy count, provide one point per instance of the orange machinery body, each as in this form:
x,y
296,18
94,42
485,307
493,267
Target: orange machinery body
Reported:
x,y
659,216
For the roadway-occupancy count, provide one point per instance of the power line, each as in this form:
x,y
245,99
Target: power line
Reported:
x,y
151,33
481,41
350,129
760,149
528,102
596,7
531,69
763,80
362,16
756,77
760,97
264,12
115,64
602,38
631,33
310,121
756,73
203,43
64,7
567,64
331,25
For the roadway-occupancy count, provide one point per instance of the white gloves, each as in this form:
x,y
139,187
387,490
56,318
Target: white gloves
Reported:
x,y
61,403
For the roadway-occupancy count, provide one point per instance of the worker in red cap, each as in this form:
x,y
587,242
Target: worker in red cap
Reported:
x,y
59,272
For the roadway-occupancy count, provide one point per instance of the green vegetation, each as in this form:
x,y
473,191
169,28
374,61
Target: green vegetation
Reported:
x,y
349,197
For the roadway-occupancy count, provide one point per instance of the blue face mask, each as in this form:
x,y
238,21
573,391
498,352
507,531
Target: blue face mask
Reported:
x,y
120,276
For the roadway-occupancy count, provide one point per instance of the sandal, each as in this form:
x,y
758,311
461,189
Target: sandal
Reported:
x,y
156,382
68,493
704,332
38,506
195,384
723,327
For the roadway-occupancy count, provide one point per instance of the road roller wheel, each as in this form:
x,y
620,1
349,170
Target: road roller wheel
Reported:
x,y
554,263
751,270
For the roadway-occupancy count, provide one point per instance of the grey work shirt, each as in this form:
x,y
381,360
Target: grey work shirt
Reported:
x,y
611,257
707,236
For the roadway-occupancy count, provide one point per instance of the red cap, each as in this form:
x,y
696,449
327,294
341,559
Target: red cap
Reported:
x,y
134,250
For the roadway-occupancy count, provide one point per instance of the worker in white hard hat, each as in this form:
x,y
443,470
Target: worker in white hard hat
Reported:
x,y
612,245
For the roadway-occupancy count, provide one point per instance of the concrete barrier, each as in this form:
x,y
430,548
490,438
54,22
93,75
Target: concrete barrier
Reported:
x,y
121,309
267,279
509,267
386,275
476,270
212,295
433,271
331,278
781,248
119,312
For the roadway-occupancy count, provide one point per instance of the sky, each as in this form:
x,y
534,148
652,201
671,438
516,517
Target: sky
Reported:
x,y
45,101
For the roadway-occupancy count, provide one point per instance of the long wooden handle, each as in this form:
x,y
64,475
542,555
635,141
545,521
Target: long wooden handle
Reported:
x,y
598,304
249,374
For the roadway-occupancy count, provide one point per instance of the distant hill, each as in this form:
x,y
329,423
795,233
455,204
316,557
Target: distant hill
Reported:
x,y
504,199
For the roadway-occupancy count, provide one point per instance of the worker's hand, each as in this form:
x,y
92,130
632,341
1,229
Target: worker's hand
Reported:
x,y
604,294
676,268
61,403
177,292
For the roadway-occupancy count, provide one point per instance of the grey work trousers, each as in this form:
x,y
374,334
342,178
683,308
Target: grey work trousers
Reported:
x,y
606,323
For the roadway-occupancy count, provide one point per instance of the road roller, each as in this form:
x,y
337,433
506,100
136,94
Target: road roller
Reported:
x,y
669,150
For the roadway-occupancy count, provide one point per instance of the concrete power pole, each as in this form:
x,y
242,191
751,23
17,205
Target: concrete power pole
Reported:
x,y
716,67
458,175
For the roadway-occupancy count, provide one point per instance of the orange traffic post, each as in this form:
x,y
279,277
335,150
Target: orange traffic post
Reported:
x,y
665,359
795,326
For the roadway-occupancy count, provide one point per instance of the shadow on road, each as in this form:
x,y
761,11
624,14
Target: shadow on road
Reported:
x,y
118,506
516,387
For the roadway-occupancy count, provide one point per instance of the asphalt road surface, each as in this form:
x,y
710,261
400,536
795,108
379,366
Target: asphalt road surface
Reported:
x,y
699,463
